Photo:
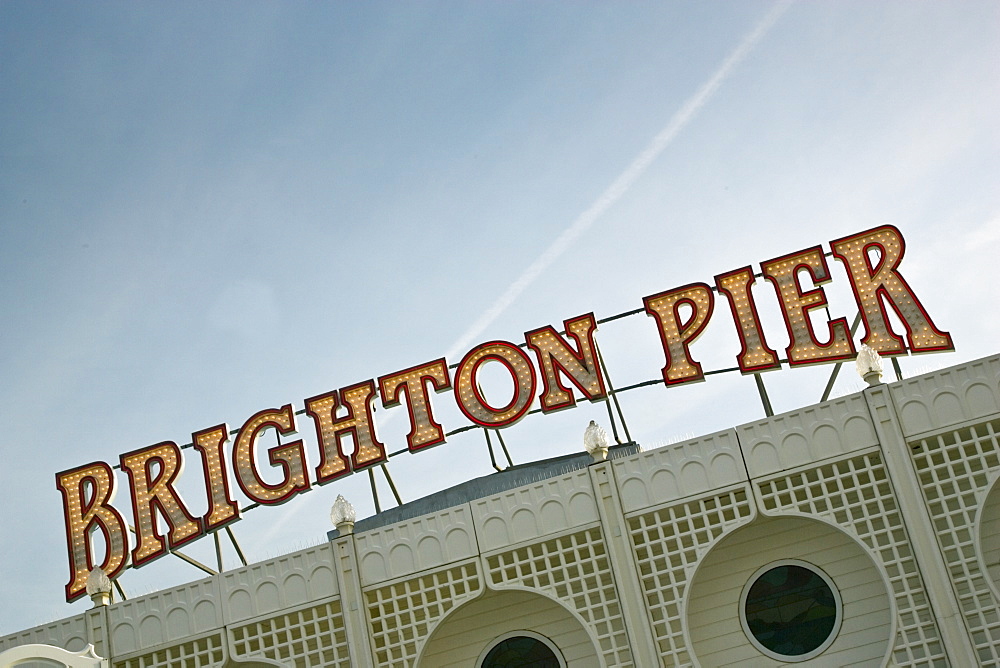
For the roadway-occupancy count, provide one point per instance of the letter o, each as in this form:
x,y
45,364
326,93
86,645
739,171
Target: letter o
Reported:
x,y
470,399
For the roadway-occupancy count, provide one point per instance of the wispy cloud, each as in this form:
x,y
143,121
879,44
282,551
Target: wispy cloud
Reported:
x,y
624,181
605,201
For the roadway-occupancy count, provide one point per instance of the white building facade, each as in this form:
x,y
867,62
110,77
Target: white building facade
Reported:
x,y
863,531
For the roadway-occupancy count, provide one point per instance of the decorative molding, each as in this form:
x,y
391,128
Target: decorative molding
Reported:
x,y
948,397
165,616
418,544
679,470
69,633
811,435
290,580
539,509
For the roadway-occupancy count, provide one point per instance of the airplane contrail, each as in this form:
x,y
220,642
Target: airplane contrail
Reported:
x,y
611,195
624,182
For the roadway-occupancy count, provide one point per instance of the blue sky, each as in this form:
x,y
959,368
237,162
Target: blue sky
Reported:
x,y
206,211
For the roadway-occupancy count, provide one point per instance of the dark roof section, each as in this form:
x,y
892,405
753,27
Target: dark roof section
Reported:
x,y
477,488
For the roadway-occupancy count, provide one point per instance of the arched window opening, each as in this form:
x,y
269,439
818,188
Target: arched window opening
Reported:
x,y
522,649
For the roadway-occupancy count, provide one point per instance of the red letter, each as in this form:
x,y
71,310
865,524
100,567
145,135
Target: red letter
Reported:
x,y
580,365
470,399
87,493
875,285
221,508
153,492
803,348
358,422
755,356
675,335
290,457
412,384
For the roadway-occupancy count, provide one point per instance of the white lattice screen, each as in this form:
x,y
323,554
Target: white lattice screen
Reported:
x,y
575,569
856,494
955,468
668,542
305,638
200,653
402,613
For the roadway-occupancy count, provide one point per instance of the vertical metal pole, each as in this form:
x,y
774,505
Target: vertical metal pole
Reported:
x,y
371,479
239,550
611,419
499,437
833,379
762,391
121,591
218,550
836,367
392,485
614,396
503,445
895,367
489,446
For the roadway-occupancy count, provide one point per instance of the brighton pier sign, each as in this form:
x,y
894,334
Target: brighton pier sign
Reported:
x,y
561,361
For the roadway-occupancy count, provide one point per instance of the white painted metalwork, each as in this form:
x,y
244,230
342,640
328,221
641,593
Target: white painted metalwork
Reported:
x,y
893,493
51,656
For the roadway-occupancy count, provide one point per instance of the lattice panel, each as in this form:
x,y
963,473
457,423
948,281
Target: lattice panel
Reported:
x,y
669,543
305,638
856,494
575,569
201,653
955,469
404,612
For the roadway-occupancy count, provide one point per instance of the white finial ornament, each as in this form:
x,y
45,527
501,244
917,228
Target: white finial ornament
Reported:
x,y
869,365
342,515
595,441
99,587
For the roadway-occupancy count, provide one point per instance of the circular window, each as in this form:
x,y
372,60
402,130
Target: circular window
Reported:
x,y
790,610
521,649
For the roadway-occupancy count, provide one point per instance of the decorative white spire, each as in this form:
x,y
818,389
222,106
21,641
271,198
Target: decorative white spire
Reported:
x,y
342,515
869,365
595,441
99,587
